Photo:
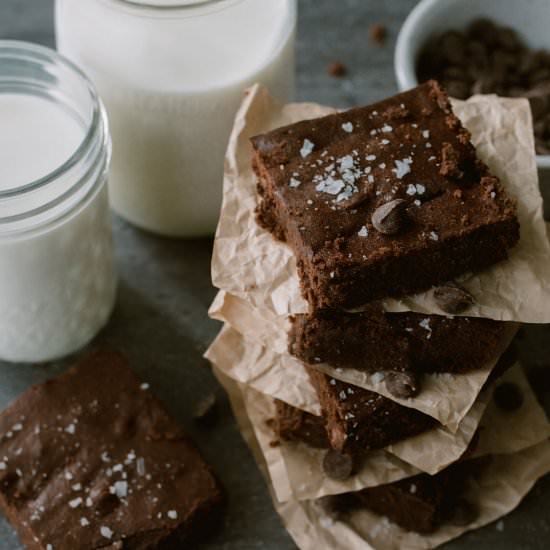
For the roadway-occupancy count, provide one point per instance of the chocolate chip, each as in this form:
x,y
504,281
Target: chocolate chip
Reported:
x,y
377,34
464,513
452,298
402,385
390,218
337,466
206,410
508,397
337,69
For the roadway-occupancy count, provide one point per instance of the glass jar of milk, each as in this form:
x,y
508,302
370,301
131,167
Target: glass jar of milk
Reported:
x,y
171,75
57,277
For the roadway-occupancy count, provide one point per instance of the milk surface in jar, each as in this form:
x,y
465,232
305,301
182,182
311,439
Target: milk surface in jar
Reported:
x,y
57,278
172,74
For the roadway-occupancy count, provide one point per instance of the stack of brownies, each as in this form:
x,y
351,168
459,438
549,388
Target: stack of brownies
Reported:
x,y
374,203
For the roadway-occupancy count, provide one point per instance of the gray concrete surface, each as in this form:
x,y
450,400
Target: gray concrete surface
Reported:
x,y
160,319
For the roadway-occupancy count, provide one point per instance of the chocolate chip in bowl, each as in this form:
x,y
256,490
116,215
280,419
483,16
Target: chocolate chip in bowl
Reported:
x,y
486,58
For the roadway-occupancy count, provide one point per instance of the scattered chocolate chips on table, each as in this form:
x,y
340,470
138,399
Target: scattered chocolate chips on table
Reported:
x,y
489,58
337,69
377,34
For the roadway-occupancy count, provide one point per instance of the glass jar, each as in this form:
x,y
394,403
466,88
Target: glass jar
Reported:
x,y
57,277
172,75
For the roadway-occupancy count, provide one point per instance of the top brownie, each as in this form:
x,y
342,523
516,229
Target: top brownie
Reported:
x,y
383,200
92,460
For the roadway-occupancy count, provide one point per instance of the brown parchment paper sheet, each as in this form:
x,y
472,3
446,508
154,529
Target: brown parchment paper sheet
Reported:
x,y
250,264
500,433
430,452
502,487
446,397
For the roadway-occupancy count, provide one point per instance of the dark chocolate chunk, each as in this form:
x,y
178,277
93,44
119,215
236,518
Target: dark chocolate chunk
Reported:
x,y
508,397
452,298
402,384
337,465
465,513
390,218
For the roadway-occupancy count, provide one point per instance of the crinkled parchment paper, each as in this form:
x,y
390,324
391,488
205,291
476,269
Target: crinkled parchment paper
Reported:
x,y
430,451
249,263
446,397
500,433
500,489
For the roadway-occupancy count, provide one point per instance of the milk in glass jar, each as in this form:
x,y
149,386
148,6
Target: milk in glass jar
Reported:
x,y
171,74
57,277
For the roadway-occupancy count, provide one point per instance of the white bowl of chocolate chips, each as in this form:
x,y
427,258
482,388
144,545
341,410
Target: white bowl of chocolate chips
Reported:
x,y
482,46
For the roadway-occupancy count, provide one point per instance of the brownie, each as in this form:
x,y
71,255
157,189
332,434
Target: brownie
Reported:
x,y
376,341
92,460
292,424
359,420
423,503
380,201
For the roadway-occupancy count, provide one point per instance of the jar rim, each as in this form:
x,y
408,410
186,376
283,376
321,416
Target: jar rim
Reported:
x,y
33,52
168,8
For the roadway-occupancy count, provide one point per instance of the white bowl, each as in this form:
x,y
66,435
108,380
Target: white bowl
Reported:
x,y
530,18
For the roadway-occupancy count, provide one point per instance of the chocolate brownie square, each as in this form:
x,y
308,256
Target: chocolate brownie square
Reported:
x,y
383,200
92,460
376,341
423,503
358,420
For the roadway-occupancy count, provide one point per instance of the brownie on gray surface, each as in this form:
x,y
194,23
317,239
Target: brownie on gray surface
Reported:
x,y
359,420
92,460
382,200
376,341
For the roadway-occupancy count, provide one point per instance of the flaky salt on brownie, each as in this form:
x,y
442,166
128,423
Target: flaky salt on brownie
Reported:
x,y
382,200
359,420
92,460
376,341
421,503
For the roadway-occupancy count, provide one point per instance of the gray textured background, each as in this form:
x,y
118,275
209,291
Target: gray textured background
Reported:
x,y
160,319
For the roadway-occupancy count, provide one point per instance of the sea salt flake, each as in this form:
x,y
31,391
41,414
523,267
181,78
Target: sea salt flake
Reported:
x,y
293,183
387,129
49,547
411,190
77,487
434,236
402,167
172,514
346,163
425,134
500,526
121,489
382,165
363,232
75,503
493,194
145,386
412,488
3,466
70,429
385,141
140,466
347,127
68,476
370,158
377,377
106,532
428,145
343,395
307,148
17,427
84,522
417,203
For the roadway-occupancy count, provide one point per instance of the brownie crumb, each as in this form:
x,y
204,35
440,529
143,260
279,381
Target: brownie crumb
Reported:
x,y
337,69
378,34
